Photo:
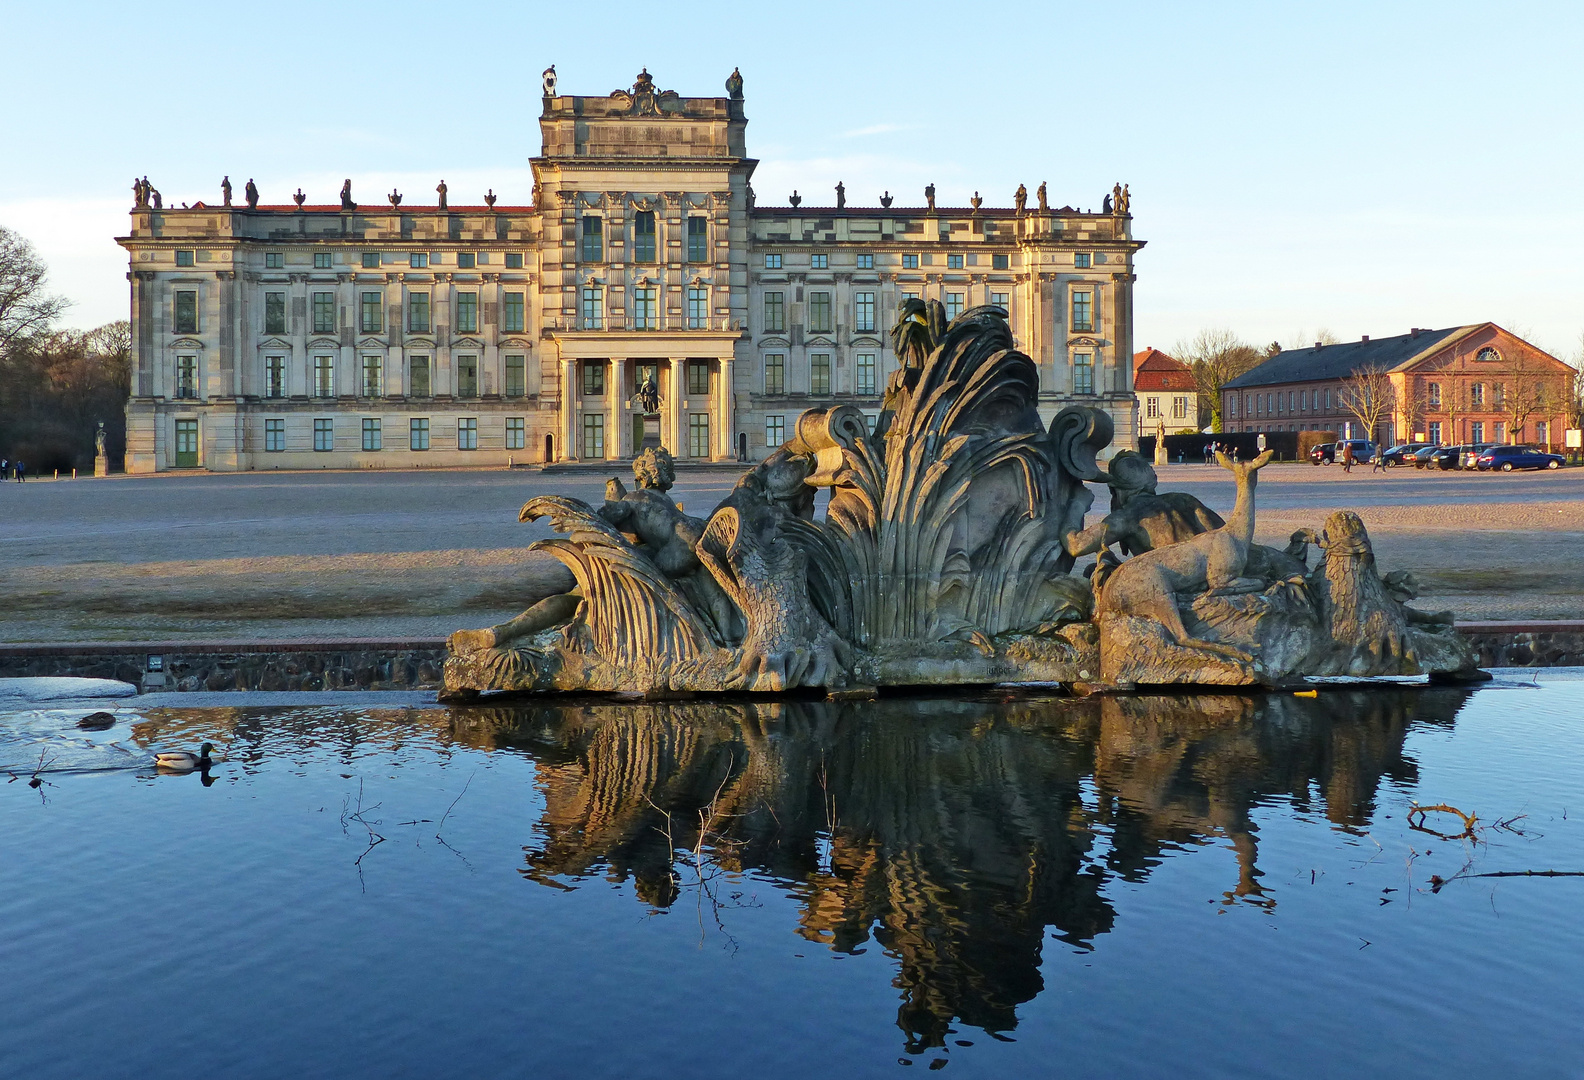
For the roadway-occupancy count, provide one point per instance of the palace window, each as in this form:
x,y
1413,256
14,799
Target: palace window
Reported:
x,y
698,240
418,313
910,262
516,433
187,377
698,435
1083,373
417,260
274,312
775,313
1000,262
324,376
275,376
466,260
644,236
418,433
514,260
772,262
866,373
184,258
373,375
954,305
371,318
373,435
954,262
594,378
698,377
819,312
819,262
645,315
866,262
322,260
1081,260
820,373
863,312
1083,312
775,373
593,238
274,260
371,260
467,312
512,319
324,434
516,376
697,308
1180,407
274,436
418,377
1002,300
593,310
775,430
909,294
1477,398
467,433
324,312
467,376
593,435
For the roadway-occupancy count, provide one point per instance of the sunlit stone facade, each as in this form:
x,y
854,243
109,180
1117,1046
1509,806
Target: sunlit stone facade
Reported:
x,y
372,334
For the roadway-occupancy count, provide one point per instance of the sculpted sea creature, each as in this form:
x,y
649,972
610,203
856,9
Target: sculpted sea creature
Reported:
x,y
1146,585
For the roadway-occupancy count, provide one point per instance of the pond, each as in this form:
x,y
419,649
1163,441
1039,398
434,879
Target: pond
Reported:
x,y
998,884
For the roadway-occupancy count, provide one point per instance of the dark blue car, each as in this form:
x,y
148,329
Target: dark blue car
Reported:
x,y
1508,458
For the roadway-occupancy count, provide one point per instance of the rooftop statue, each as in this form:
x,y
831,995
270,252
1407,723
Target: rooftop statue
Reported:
x,y
945,556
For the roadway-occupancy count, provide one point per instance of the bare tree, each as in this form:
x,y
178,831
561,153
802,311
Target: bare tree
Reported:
x,y
26,308
1574,405
1369,395
1531,388
1216,357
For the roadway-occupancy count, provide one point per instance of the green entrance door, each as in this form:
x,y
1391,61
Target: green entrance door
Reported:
x,y
186,444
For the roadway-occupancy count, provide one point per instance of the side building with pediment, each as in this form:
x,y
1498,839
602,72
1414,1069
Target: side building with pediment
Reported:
x,y
639,297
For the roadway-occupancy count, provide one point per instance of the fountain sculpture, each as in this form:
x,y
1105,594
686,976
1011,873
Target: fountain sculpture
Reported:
x,y
946,557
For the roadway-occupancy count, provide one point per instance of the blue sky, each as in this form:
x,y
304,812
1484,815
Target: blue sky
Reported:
x,y
1362,167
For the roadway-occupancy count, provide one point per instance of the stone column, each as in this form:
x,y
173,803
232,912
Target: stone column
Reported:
x,y
678,393
726,412
569,449
613,408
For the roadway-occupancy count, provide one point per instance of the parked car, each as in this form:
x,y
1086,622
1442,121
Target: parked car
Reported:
x,y
1423,458
1331,453
1447,457
1471,454
1508,458
1401,455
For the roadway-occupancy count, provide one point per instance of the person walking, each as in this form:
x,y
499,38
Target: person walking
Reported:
x,y
1379,461
21,471
1347,457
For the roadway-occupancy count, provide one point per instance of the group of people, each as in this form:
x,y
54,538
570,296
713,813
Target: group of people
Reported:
x,y
10,469
1213,448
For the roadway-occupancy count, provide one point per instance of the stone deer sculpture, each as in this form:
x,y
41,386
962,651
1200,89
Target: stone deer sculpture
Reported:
x,y
1146,586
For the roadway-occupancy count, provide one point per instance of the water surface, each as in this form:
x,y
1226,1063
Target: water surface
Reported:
x,y
1144,886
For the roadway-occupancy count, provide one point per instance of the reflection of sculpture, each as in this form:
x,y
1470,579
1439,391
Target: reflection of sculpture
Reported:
x,y
824,799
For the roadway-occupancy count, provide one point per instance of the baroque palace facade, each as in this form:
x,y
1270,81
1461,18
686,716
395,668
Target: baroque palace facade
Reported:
x,y
640,298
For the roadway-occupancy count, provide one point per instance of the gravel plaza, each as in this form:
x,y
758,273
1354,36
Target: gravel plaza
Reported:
x,y
362,554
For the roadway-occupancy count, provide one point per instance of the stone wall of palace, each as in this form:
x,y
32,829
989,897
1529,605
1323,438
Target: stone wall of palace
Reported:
x,y
360,335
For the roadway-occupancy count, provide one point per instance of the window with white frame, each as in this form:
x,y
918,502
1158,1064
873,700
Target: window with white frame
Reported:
x,y
274,435
1151,407
1083,373
516,375
697,307
820,373
1082,311
865,371
819,313
274,376
324,376
593,308
467,312
954,305
418,433
418,376
1002,300
593,435
1180,407
467,433
512,313
324,433
324,321
373,436
516,433
775,430
373,375
645,315
698,435
863,312
467,376
775,373
774,313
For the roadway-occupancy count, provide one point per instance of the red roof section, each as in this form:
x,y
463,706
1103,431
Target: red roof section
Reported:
x,y
1154,370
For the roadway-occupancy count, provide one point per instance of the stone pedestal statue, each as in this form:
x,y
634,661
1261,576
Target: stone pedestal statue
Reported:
x,y
101,459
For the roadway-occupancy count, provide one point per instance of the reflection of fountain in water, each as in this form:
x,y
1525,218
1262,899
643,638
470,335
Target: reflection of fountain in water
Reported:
x,y
952,832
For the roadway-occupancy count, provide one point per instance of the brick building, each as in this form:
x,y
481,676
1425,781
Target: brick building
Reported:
x,y
1167,394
